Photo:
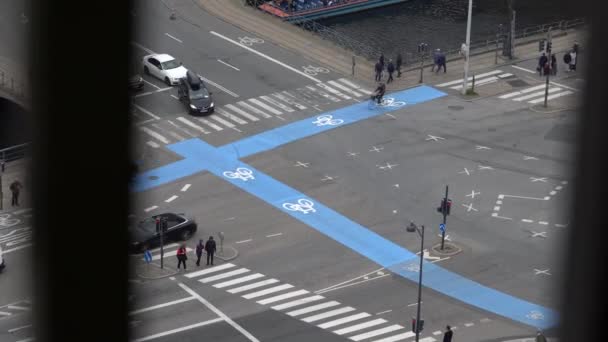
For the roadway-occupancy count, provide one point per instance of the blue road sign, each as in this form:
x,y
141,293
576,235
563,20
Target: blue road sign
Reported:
x,y
147,256
442,228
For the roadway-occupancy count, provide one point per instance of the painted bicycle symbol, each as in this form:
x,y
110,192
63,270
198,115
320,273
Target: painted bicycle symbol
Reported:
x,y
412,267
241,173
390,102
250,41
327,119
303,205
536,315
312,70
7,221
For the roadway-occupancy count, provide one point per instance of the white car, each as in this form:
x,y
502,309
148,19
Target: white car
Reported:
x,y
164,67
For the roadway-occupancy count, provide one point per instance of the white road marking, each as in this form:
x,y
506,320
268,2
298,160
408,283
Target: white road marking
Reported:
x,y
552,192
559,187
19,328
241,112
229,65
192,124
265,106
210,124
427,339
301,301
541,179
563,86
209,270
171,245
143,48
333,91
243,241
230,116
354,85
348,281
219,313
174,331
501,217
152,144
523,197
360,326
282,297
505,75
398,337
437,332
180,128
286,99
253,109
150,308
343,320
25,210
523,69
4,313
541,234
273,235
154,135
264,56
299,163
473,194
267,291
186,187
383,312
344,88
545,272
465,171
376,332
485,320
277,103
151,208
224,275
496,208
551,97
328,314
434,138
376,149
253,286
494,72
479,147
176,136
537,94
152,92
313,308
29,339
152,84
170,199
561,225
146,111
231,93
543,223
469,324
170,36
479,82
527,220
238,280
523,91
323,94
171,253
222,121
530,158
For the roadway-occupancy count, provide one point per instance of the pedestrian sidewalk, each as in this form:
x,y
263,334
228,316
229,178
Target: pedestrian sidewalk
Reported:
x,y
16,170
317,49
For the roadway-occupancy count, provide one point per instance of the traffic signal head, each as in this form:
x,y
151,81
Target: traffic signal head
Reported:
x,y
420,325
541,45
549,46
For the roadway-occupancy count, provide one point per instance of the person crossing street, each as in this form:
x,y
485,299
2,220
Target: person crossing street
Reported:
x,y
15,190
200,247
210,248
390,68
181,256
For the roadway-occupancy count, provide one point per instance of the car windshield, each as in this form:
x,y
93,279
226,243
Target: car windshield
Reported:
x,y
172,64
199,94
148,225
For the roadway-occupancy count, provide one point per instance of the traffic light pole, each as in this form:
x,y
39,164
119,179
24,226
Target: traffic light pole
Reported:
x,y
162,238
445,213
550,69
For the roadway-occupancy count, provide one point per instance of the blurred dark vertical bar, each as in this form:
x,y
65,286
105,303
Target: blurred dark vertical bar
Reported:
x,y
584,307
78,59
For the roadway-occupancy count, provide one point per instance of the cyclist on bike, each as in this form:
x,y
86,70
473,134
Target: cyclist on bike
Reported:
x,y
379,92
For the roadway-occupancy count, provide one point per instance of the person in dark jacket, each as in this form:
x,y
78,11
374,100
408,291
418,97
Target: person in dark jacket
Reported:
x,y
553,65
540,337
200,247
210,248
390,68
378,69
181,256
399,62
447,336
381,60
441,62
541,63
15,190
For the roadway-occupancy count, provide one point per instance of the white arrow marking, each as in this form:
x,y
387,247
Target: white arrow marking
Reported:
x,y
473,193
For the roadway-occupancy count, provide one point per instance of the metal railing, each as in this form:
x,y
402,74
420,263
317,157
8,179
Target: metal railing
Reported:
x,y
14,152
12,85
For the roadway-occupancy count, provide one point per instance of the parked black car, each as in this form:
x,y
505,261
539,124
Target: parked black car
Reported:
x,y
194,94
136,82
144,235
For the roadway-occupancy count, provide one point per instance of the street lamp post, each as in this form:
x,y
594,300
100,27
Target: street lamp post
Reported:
x,y
422,47
411,228
467,50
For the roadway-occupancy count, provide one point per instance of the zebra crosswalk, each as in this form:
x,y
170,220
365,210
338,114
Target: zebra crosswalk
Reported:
x,y
327,314
164,131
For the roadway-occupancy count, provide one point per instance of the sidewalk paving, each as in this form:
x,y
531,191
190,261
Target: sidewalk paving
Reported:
x,y
317,49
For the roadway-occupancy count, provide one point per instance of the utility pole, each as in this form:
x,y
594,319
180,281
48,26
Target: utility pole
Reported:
x,y
421,50
467,50
418,325
509,44
444,210
548,61
498,37
161,225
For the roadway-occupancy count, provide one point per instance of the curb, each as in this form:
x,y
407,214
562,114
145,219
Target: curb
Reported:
x,y
223,257
171,270
437,249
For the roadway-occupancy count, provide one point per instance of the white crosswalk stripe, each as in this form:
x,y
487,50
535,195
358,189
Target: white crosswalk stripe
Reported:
x,y
536,94
328,314
267,291
223,275
289,99
376,332
277,103
343,320
169,253
333,91
478,82
354,86
176,136
238,280
209,270
427,339
253,286
181,129
240,112
313,308
222,121
253,109
265,106
523,91
505,75
210,124
398,337
230,116
155,135
152,144
323,94
298,302
282,297
344,88
360,326
493,72
192,124
551,97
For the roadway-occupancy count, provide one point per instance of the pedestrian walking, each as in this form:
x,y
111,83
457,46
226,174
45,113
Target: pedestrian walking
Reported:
x,y
541,64
540,337
15,189
572,63
399,62
447,336
210,248
553,65
435,55
378,69
181,256
575,48
441,62
381,60
390,68
200,247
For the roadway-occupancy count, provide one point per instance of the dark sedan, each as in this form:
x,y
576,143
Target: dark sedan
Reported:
x,y
144,235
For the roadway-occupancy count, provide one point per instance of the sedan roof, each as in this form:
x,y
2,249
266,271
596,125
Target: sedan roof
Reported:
x,y
163,57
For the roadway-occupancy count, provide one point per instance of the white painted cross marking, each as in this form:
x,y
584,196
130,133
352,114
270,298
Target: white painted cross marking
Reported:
x,y
481,167
465,171
541,179
473,193
538,234
530,158
537,272
387,166
327,178
376,149
479,147
469,207
434,138
353,154
302,164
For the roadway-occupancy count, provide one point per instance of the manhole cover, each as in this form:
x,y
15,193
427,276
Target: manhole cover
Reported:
x,y
517,83
456,107
153,177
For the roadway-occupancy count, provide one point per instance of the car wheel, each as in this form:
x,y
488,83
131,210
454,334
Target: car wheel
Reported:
x,y
167,81
146,71
187,234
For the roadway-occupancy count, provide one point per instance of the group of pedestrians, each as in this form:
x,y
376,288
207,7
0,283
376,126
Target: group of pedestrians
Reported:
x,y
545,67
209,247
390,68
